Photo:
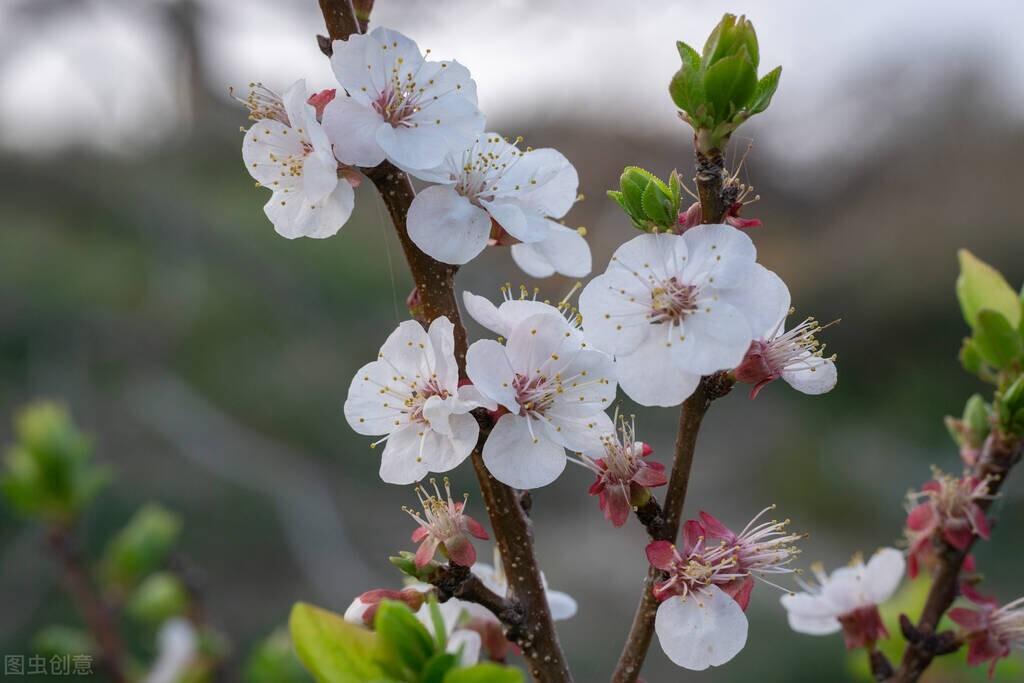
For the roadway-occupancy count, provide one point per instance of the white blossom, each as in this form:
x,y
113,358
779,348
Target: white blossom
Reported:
x,y
493,192
411,395
399,106
555,391
462,641
287,151
177,647
562,605
673,308
702,629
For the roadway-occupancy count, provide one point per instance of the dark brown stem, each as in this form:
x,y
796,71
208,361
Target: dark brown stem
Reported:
x,y
435,284
456,581
998,457
99,618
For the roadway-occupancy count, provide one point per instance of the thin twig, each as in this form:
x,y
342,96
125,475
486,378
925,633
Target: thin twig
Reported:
x,y
456,581
998,457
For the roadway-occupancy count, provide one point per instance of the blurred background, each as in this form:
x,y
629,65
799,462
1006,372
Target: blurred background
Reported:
x,y
141,284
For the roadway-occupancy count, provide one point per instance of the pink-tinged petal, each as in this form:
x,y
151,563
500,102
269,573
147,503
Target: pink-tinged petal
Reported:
x,y
476,529
320,100
715,529
980,522
693,533
740,591
969,565
649,476
959,538
932,486
921,517
425,553
419,534
661,554
597,487
645,449
968,619
617,506
977,597
912,566
460,551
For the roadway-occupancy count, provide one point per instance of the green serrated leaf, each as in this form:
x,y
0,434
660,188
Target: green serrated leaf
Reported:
x,y
764,91
686,86
981,286
729,84
632,194
675,187
689,56
402,639
997,341
654,202
485,673
330,648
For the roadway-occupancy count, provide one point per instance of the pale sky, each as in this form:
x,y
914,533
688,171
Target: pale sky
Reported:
x,y
97,74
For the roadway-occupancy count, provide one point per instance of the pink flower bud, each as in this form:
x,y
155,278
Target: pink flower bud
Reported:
x,y
320,100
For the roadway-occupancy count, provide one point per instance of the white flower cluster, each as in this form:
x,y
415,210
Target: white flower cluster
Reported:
x,y
420,115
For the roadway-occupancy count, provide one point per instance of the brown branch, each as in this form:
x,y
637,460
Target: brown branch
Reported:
x,y
456,581
435,285
98,616
998,457
717,193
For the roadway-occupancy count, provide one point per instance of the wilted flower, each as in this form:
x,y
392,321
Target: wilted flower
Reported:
x,y
444,525
287,152
398,106
991,631
495,192
411,394
555,391
623,472
946,507
848,599
673,308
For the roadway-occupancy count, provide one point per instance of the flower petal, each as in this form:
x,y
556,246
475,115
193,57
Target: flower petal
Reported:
x,y
884,574
352,129
562,605
519,459
719,254
714,337
446,226
812,376
701,630
563,251
615,308
467,644
513,220
651,378
401,462
412,149
488,367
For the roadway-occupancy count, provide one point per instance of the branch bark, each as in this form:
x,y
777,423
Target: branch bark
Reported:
x,y
998,457
435,284
95,612
456,581
716,196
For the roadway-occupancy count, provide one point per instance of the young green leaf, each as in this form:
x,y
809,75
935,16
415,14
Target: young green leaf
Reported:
x,y
970,358
440,632
654,203
981,286
484,673
330,648
141,547
402,639
764,91
438,667
729,84
997,341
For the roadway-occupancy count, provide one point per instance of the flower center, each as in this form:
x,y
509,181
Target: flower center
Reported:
x,y
534,395
418,397
794,349
484,165
398,102
672,301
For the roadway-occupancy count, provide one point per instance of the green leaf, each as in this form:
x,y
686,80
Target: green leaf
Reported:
x,y
690,57
402,639
981,286
656,205
140,547
485,673
160,596
330,648
675,187
729,84
975,418
996,340
273,661
686,86
62,641
764,91
970,358
438,667
440,632
632,194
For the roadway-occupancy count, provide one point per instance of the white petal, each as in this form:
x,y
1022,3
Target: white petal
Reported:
x,y
402,461
578,430
542,342
465,432
652,258
807,605
266,144
472,396
454,117
467,643
295,215
714,337
319,175
557,183
562,605
368,411
409,352
484,312
446,226
563,251
354,613
177,647
884,574
701,630
442,338
763,298
813,626
651,378
813,376
352,129
615,308
846,589
412,149
513,220
296,106
720,252
488,367
519,459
